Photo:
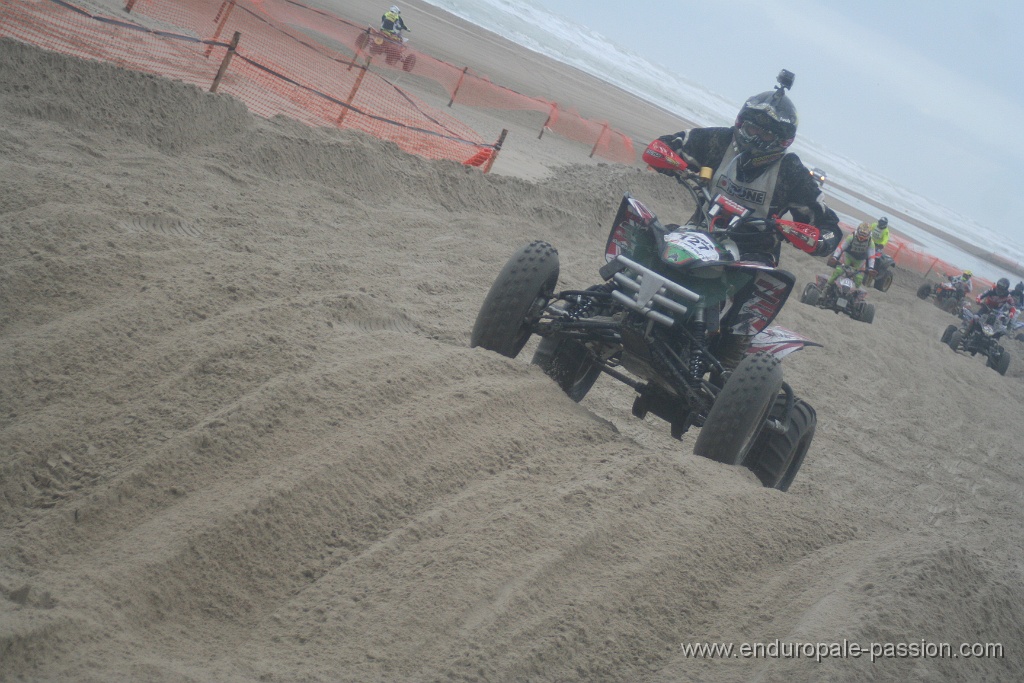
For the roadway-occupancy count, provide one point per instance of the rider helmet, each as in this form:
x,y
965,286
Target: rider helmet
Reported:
x,y
863,232
766,124
394,8
1003,286
882,222
967,274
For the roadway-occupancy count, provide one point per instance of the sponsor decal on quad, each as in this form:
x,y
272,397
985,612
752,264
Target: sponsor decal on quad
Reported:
x,y
696,243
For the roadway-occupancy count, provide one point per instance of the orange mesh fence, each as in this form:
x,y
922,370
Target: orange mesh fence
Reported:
x,y
464,86
275,69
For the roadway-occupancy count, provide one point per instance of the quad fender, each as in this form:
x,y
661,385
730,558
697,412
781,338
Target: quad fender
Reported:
x,y
779,341
757,304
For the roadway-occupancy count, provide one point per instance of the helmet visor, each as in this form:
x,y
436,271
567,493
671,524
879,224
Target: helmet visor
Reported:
x,y
754,131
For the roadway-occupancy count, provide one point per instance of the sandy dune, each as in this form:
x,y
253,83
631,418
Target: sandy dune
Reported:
x,y
243,437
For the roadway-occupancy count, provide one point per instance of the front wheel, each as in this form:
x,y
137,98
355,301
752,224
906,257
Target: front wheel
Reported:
x,y
409,63
740,410
947,334
866,314
776,457
924,291
568,362
516,299
1000,363
954,340
810,295
884,281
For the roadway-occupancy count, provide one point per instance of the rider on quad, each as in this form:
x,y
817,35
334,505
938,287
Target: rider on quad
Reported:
x,y
391,21
996,297
751,166
857,251
963,283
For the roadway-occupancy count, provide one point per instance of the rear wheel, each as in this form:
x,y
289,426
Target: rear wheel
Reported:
x,y
516,299
924,291
954,340
884,281
408,63
776,457
738,414
947,334
568,362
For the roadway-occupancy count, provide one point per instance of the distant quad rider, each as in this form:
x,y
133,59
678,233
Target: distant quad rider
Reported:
x,y
751,166
996,297
880,238
391,21
963,282
880,234
1018,295
856,251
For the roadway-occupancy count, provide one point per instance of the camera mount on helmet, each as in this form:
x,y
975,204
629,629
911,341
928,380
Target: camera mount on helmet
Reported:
x,y
785,82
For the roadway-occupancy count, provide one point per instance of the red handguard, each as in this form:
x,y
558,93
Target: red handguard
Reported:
x,y
803,236
661,157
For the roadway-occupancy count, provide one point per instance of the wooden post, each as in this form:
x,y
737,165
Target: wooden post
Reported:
x,y
355,89
128,7
497,148
600,135
544,127
227,60
458,85
934,261
360,49
223,16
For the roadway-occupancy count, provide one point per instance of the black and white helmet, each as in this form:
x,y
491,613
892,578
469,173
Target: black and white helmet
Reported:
x,y
766,124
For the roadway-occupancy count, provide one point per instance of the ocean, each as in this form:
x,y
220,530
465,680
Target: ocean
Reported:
x,y
527,23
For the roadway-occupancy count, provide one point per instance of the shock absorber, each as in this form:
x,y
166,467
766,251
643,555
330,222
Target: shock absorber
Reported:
x,y
698,330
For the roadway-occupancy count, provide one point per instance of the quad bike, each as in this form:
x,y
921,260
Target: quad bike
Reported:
x,y
391,44
669,294
949,295
842,296
980,333
882,280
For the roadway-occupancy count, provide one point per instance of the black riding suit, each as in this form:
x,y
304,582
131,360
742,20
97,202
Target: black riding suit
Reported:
x,y
795,191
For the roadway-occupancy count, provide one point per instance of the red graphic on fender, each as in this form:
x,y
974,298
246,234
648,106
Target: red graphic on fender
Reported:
x,y
762,306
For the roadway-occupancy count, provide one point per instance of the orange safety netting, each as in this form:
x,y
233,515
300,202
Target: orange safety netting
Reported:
x,y
464,86
275,69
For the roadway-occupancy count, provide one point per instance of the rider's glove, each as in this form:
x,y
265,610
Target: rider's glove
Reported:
x,y
831,261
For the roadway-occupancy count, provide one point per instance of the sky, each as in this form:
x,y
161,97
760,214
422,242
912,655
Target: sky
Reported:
x,y
926,93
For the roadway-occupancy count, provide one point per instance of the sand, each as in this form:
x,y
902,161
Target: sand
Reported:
x,y
243,436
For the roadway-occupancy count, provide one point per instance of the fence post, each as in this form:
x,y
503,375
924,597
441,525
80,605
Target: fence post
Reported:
x,y
223,16
458,85
934,261
497,148
355,88
604,129
547,121
227,60
128,7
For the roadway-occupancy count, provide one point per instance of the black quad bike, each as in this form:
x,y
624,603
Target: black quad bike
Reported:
x,y
841,296
884,273
949,295
666,297
980,333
